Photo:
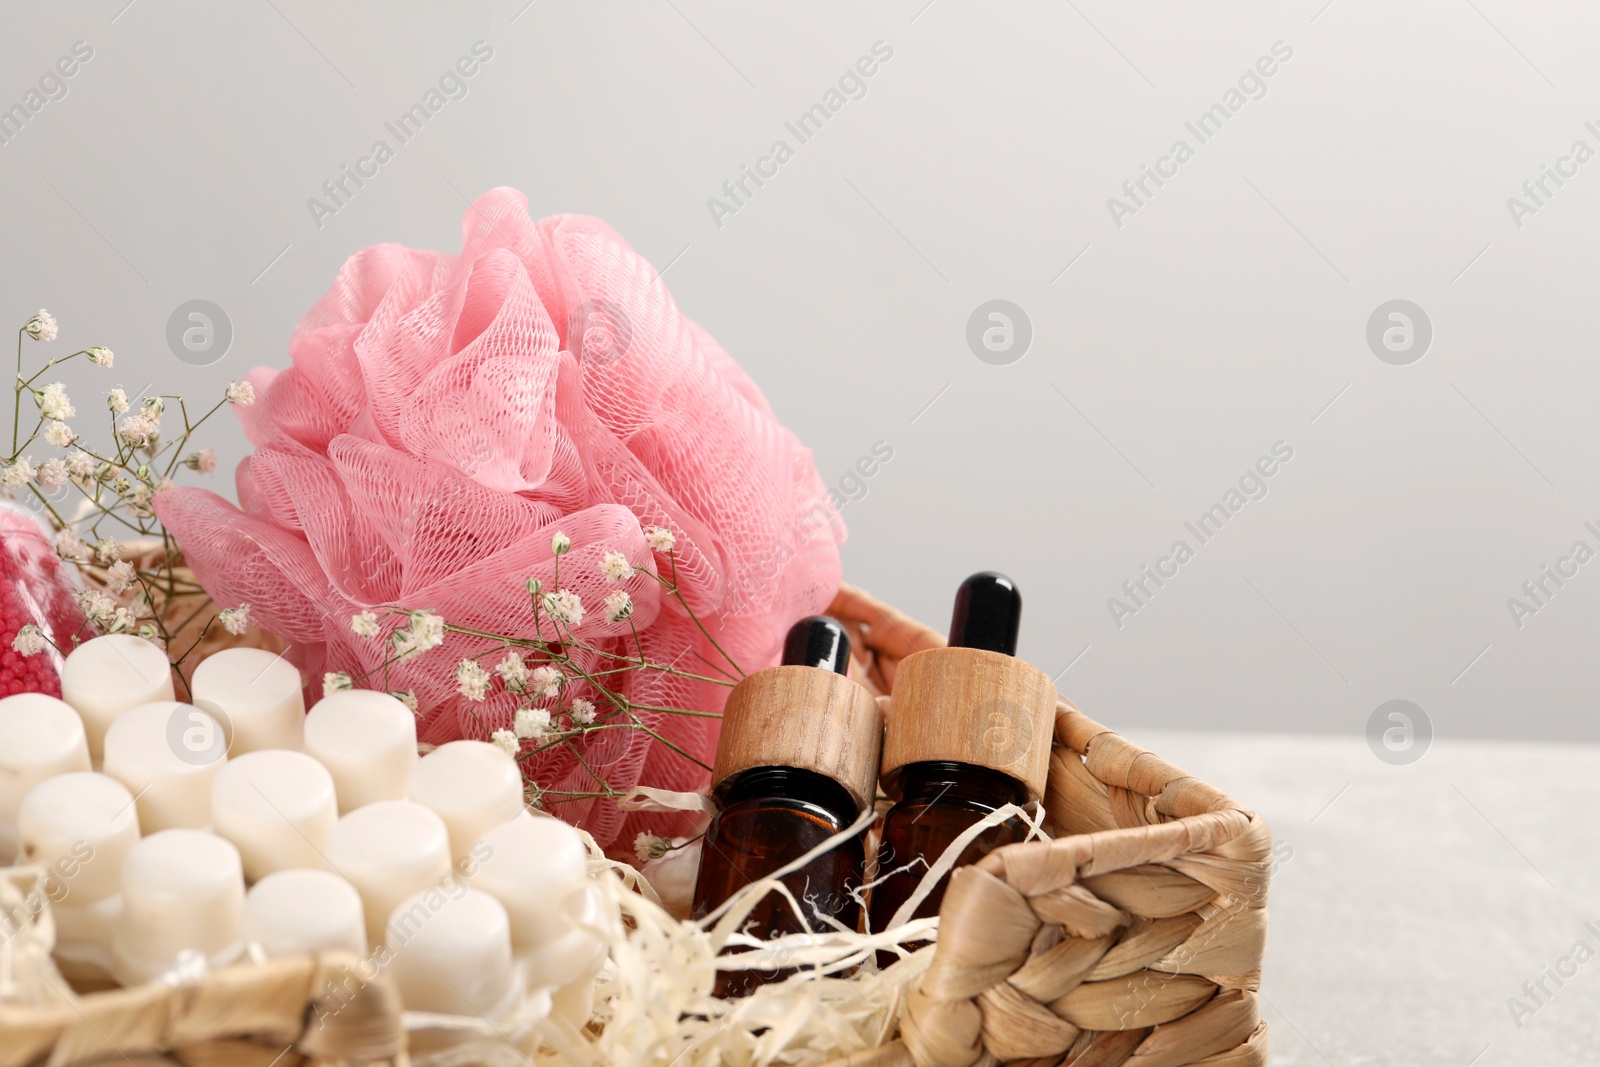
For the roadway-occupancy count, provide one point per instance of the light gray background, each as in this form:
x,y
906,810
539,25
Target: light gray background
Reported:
x,y
1168,354
1227,314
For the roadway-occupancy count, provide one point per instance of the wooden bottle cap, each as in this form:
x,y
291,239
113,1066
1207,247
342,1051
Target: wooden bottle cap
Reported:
x,y
803,717
969,705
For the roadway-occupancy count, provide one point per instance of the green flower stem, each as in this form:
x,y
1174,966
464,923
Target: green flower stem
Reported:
x,y
178,662
637,644
677,711
16,388
178,629
542,646
731,680
47,505
598,780
47,366
672,588
188,429
657,737
568,796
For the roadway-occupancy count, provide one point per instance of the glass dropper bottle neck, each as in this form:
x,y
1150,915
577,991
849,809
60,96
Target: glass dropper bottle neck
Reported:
x,y
938,781
793,783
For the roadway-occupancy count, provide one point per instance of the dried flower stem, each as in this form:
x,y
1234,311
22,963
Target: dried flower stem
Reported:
x,y
116,490
557,660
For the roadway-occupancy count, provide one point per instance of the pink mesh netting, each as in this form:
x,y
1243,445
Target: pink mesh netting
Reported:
x,y
444,415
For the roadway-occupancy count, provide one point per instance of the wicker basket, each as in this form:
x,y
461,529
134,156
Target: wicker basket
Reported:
x,y
1136,936
284,1012
1136,939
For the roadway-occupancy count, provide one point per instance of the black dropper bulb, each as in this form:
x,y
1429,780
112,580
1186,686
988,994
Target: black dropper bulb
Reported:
x,y
817,641
988,614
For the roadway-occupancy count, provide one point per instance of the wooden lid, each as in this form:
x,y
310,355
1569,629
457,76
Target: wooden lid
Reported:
x,y
803,717
968,705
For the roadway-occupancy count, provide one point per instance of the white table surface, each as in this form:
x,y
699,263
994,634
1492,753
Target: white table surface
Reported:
x,y
1419,899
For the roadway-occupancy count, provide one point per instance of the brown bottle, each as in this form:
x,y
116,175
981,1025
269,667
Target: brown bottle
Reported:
x,y
969,732
797,762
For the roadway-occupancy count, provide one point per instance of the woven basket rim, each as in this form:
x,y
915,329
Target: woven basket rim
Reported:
x,y
1019,969
1073,728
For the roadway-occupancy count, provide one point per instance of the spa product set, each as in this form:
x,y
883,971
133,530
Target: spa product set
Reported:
x,y
176,837
803,752
519,532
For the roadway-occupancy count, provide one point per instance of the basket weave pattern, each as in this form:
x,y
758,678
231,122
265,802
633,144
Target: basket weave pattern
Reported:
x,y
1135,936
286,1012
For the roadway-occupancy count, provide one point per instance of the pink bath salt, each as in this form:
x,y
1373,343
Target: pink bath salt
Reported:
x,y
37,588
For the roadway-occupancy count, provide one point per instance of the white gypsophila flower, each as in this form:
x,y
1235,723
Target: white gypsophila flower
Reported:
x,y
534,586
59,434
17,474
151,633
531,723
70,546
122,621
472,680
29,640
429,627
121,577
364,623
564,606
107,551
506,742
235,620
513,672
99,355
582,712
51,475
336,682
117,401
406,697
80,465
650,846
54,402
659,540
96,606
615,567
139,501
42,327
138,430
619,605
423,632
241,393
544,681
405,645
560,544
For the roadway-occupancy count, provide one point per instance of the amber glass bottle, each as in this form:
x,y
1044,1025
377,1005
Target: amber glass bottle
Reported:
x,y
796,763
969,732
938,801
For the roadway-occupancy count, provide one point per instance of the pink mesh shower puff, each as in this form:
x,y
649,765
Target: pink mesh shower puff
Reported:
x,y
444,415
